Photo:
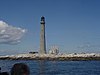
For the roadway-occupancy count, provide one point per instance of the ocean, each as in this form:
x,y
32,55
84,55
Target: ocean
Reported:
x,y
38,67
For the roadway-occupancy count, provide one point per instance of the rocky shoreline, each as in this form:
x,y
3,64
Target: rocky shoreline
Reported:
x,y
49,58
60,57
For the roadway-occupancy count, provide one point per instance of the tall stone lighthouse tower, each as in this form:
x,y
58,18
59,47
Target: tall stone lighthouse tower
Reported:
x,y
42,37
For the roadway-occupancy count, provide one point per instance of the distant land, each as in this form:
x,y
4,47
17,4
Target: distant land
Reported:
x,y
53,57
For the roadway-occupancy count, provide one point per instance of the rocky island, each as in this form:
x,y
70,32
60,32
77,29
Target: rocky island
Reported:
x,y
62,57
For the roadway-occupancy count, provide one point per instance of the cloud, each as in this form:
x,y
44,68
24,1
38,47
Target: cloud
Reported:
x,y
10,34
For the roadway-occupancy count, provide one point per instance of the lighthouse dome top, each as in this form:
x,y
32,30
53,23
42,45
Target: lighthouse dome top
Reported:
x,y
42,18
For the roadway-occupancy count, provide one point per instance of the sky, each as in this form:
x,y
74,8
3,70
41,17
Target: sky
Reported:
x,y
71,25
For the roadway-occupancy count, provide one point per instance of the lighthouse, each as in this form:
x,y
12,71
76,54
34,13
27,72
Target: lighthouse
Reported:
x,y
42,37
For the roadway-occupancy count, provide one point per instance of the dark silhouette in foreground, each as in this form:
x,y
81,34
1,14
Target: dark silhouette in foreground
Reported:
x,y
4,73
20,69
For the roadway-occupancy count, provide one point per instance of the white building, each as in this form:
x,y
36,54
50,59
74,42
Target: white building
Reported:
x,y
54,50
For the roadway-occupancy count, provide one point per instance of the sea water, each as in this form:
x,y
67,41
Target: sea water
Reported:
x,y
38,67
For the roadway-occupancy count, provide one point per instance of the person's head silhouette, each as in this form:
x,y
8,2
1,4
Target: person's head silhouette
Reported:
x,y
20,69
